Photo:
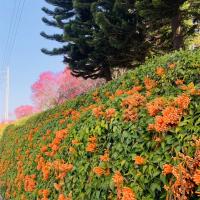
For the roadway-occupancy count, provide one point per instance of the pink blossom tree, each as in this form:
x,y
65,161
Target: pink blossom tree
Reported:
x,y
55,88
24,111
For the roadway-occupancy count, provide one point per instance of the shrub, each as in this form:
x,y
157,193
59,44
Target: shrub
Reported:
x,y
112,143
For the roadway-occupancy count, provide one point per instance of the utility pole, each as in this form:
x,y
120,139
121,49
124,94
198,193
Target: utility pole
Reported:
x,y
7,94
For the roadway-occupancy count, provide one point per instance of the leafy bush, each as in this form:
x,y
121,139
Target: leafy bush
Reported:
x,y
111,143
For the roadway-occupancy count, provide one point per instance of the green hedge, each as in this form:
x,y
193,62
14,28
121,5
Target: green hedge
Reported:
x,y
107,118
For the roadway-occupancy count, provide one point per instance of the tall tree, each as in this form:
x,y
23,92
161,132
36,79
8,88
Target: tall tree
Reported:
x,y
61,15
100,35
165,21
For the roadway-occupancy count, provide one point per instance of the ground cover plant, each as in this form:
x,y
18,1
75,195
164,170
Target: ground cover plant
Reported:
x,y
134,138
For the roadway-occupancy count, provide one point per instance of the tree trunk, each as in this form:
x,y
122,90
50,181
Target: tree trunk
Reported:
x,y
177,38
107,74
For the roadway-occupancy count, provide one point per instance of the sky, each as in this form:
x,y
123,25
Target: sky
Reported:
x,y
27,61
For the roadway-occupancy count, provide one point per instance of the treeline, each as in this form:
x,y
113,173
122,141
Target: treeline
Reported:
x,y
99,35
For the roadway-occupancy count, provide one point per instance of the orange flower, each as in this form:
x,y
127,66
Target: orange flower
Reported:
x,y
160,71
133,101
128,194
167,169
98,111
44,149
155,106
151,127
98,171
172,65
62,197
110,113
137,88
160,125
29,183
92,139
75,142
149,83
130,114
183,101
139,160
65,167
179,82
196,177
118,179
119,92
57,186
91,147
148,94
171,115
105,157
72,150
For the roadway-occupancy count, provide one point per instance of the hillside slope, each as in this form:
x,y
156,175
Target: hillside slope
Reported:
x,y
118,142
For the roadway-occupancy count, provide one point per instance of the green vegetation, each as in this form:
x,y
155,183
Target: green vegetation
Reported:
x,y
73,151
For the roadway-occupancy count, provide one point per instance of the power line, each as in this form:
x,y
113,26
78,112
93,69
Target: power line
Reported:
x,y
12,32
15,33
16,17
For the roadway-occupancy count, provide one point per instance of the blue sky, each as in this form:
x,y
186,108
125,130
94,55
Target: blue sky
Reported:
x,y
27,60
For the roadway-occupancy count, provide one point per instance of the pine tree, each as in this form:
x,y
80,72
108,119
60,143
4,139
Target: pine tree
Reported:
x,y
97,35
61,15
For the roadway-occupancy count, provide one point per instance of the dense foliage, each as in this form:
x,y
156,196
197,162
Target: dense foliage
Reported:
x,y
92,32
122,141
96,36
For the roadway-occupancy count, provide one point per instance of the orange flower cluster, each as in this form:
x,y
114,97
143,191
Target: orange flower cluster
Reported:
x,y
44,193
119,92
76,142
98,111
110,113
190,88
59,136
196,177
149,83
29,183
171,115
75,115
105,157
172,65
160,71
155,106
61,168
134,100
20,175
63,197
44,167
57,186
134,90
72,150
130,114
167,169
187,176
118,179
179,82
182,101
91,146
139,160
99,171
128,194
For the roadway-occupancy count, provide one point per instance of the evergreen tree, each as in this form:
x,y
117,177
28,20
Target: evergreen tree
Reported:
x,y
62,14
166,21
98,35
